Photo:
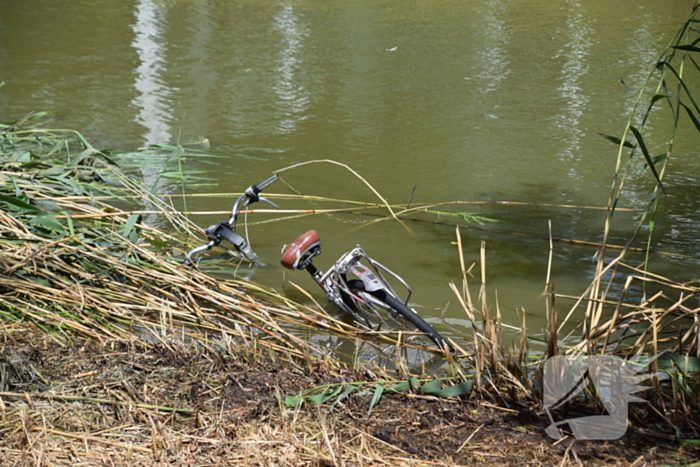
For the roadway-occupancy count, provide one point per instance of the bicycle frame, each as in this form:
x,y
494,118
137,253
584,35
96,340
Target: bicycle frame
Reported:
x,y
334,282
226,230
351,259
361,298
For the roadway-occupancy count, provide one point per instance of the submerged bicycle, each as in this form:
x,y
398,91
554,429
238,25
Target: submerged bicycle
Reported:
x,y
226,230
369,298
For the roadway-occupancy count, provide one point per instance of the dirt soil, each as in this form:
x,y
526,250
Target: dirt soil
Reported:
x,y
121,403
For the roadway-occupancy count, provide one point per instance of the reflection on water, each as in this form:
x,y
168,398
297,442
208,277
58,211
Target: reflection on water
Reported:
x,y
201,77
152,101
3,62
575,56
350,350
493,56
293,96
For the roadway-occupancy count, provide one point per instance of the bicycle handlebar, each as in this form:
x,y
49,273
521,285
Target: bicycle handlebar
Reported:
x,y
249,196
226,230
265,183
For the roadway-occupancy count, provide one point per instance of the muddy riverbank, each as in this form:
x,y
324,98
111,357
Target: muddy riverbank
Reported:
x,y
126,402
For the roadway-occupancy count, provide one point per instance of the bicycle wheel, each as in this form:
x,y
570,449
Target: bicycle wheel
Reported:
x,y
396,306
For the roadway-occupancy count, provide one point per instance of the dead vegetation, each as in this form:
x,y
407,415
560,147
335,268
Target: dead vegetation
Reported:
x,y
129,402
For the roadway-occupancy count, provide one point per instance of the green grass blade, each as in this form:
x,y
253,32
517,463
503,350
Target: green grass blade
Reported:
x,y
617,140
643,147
692,116
689,48
375,398
349,389
12,201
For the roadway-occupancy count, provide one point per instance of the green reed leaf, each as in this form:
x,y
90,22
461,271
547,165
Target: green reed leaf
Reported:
x,y
69,222
692,116
375,398
626,86
657,97
689,48
349,389
327,394
293,401
48,221
643,147
617,140
683,84
18,203
53,171
655,160
434,388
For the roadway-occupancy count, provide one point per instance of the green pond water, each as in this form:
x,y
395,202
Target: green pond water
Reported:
x,y
433,101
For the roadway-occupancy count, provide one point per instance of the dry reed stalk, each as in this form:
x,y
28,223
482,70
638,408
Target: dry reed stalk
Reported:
x,y
489,339
362,203
190,301
465,300
660,319
549,260
144,280
488,324
386,204
123,286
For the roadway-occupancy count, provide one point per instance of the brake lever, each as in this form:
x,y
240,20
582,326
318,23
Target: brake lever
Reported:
x,y
269,202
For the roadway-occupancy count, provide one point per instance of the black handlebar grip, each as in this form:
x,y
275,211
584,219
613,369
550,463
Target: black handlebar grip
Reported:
x,y
264,184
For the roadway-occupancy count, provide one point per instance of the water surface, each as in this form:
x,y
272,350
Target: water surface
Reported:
x,y
430,101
